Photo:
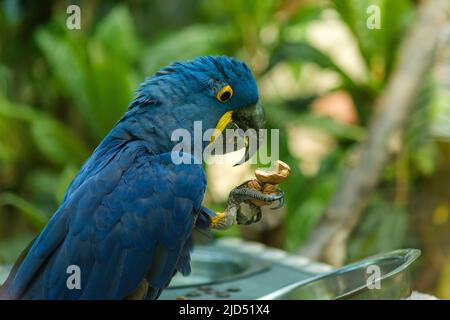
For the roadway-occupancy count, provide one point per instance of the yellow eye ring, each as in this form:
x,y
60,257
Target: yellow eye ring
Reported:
x,y
224,94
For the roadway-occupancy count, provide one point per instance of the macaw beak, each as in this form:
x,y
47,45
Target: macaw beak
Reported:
x,y
253,118
245,124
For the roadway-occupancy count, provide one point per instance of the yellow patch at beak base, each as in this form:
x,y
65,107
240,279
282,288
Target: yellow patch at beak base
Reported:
x,y
221,125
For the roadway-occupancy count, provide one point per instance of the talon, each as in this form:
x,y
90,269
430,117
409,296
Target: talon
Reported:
x,y
256,213
259,192
281,201
242,220
257,216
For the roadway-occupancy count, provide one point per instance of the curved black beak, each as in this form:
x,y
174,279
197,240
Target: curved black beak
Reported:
x,y
251,120
243,129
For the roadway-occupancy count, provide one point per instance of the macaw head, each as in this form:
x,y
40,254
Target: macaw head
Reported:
x,y
218,91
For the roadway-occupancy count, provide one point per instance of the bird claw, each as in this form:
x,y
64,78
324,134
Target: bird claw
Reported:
x,y
244,194
280,201
255,215
259,192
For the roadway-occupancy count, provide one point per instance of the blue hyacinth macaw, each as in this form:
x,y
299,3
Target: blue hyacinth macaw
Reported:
x,y
126,219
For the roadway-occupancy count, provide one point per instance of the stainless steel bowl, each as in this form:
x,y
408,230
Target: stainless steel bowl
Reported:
x,y
384,276
212,267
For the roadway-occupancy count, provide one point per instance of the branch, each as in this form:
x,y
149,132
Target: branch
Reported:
x,y
392,110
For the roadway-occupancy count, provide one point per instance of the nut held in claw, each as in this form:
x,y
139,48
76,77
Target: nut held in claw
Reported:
x,y
279,174
267,180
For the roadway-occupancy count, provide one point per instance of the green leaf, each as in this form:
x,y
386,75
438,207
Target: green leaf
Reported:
x,y
64,181
67,57
51,137
424,159
187,43
10,250
40,184
302,221
12,140
117,34
279,116
382,228
36,217
304,52
315,194
377,46
57,143
96,71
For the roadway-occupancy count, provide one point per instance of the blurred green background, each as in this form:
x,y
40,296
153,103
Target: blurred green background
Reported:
x,y
319,69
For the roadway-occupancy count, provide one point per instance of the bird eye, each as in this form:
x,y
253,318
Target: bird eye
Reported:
x,y
224,94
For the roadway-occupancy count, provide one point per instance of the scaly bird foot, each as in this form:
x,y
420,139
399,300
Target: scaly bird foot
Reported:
x,y
224,220
245,194
258,192
217,220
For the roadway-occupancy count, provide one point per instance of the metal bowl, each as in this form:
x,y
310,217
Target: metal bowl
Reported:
x,y
384,276
210,267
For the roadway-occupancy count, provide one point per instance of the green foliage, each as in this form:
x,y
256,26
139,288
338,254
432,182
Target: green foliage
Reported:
x,y
97,78
11,248
52,138
377,46
304,52
96,71
279,115
311,204
37,218
382,229
193,41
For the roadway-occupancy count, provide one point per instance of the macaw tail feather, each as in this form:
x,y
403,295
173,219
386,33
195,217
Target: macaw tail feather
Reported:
x,y
6,286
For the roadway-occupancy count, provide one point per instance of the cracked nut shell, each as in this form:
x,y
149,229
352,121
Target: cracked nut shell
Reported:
x,y
280,173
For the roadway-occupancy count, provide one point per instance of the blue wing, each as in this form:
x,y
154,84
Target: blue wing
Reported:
x,y
131,219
